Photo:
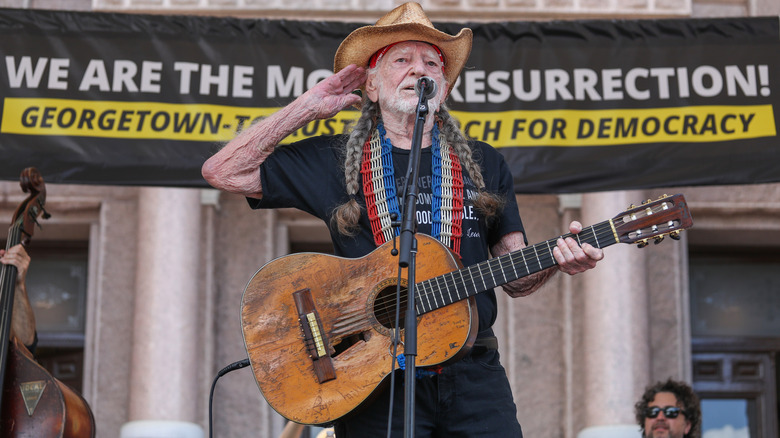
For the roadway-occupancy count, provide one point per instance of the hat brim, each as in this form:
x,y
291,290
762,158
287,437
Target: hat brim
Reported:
x,y
359,45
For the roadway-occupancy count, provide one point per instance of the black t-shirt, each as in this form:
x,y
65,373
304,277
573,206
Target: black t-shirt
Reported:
x,y
308,175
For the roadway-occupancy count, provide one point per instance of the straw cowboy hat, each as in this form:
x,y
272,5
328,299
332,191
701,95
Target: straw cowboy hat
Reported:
x,y
407,22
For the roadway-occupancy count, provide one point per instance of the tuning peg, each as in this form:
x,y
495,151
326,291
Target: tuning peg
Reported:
x,y
658,239
631,207
45,213
33,213
647,202
675,235
642,243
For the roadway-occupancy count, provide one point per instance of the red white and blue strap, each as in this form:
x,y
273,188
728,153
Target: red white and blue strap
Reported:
x,y
379,185
447,204
378,176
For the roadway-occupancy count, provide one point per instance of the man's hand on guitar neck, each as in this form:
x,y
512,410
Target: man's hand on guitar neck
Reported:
x,y
570,257
573,258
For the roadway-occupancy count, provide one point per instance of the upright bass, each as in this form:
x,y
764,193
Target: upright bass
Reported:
x,y
34,403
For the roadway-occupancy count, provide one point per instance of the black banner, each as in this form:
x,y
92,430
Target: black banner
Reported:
x,y
574,106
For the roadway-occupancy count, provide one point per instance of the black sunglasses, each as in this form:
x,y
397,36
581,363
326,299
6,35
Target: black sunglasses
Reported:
x,y
669,412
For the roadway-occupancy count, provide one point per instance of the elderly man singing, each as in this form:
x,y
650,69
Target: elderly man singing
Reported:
x,y
354,181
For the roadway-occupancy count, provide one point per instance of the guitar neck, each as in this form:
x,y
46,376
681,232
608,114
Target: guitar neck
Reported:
x,y
458,285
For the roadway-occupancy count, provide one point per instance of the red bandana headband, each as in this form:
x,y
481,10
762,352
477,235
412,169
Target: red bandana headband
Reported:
x,y
381,52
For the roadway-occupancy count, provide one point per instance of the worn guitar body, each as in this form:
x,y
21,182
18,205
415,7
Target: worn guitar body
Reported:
x,y
354,304
318,328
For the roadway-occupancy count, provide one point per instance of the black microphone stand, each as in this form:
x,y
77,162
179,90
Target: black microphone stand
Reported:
x,y
407,258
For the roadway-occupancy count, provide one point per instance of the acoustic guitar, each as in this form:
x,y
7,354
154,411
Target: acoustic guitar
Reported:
x,y
319,329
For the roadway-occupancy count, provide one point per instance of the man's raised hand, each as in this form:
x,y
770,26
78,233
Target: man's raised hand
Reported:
x,y
335,93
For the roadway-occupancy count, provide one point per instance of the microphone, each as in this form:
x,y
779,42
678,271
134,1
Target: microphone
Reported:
x,y
427,86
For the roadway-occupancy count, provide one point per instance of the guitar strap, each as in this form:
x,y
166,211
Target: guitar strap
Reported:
x,y
378,177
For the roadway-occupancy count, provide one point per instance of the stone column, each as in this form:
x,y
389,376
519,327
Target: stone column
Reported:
x,y
615,324
164,375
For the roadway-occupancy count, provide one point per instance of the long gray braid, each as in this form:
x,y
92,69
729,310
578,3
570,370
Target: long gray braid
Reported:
x,y
487,203
345,217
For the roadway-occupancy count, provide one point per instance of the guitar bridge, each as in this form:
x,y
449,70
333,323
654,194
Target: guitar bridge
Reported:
x,y
314,327
313,336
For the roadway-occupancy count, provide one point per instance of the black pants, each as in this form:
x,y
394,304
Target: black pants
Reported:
x,y
470,398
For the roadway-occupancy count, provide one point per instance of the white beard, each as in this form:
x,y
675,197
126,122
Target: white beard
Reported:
x,y
403,103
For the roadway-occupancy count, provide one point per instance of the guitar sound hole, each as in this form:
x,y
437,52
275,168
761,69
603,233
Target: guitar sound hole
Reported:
x,y
385,306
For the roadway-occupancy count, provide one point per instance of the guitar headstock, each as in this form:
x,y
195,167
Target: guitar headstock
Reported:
x,y
667,215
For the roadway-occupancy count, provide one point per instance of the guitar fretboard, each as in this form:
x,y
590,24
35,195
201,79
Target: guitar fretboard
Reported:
x,y
458,285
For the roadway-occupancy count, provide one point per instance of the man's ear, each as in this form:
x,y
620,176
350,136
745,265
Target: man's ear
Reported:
x,y
687,427
371,88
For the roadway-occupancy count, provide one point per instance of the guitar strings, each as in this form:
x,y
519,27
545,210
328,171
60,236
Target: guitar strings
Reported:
x,y
599,235
13,239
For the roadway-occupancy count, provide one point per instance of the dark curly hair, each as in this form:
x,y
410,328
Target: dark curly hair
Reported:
x,y
685,396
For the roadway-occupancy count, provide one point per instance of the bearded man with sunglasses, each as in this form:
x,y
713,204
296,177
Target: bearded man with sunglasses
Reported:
x,y
669,410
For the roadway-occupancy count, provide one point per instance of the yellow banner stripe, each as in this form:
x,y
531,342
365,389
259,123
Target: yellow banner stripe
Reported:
x,y
693,124
144,120
219,123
